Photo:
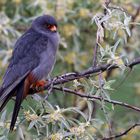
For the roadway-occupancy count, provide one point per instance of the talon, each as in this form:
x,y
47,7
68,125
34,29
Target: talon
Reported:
x,y
38,85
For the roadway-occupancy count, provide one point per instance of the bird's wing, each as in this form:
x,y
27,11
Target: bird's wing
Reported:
x,y
24,59
7,93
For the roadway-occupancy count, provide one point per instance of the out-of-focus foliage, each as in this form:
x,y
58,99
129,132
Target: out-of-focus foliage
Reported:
x,y
66,116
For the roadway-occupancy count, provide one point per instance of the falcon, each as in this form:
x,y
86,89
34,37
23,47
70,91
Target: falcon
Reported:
x,y
32,60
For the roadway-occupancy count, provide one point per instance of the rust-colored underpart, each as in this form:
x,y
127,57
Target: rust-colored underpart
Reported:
x,y
31,82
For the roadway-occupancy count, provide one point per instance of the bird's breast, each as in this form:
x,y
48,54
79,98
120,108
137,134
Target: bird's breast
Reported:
x,y
47,61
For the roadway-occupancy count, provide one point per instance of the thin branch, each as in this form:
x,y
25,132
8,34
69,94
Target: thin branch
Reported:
x,y
133,20
84,95
134,17
99,38
123,133
95,55
86,73
107,2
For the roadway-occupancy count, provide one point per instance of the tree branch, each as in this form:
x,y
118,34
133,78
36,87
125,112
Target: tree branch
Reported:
x,y
86,73
95,55
84,95
72,76
123,133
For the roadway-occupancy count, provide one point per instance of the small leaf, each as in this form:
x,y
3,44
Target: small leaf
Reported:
x,y
108,84
3,138
112,107
20,133
106,95
128,31
116,45
90,108
3,116
126,23
31,125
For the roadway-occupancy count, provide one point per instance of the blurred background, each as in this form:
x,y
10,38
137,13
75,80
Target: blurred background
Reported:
x,y
78,37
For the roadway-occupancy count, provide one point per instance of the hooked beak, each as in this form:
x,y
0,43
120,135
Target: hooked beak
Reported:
x,y
53,28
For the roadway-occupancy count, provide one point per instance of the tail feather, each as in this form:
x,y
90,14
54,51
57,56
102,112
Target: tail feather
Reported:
x,y
19,98
1,90
3,101
4,92
6,99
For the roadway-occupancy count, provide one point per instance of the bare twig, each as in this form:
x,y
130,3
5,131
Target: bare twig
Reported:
x,y
122,133
133,20
84,95
134,17
107,2
95,55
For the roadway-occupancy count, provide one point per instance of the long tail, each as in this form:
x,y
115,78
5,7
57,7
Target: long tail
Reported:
x,y
5,101
19,99
4,92
8,92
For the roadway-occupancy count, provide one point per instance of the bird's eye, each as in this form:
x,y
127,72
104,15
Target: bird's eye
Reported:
x,y
52,28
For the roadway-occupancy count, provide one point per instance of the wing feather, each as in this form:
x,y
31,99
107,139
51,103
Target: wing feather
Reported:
x,y
25,58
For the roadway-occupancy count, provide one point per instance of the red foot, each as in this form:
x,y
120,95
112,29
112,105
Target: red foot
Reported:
x,y
38,85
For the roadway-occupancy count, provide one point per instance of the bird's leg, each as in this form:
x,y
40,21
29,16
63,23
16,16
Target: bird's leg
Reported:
x,y
39,85
50,89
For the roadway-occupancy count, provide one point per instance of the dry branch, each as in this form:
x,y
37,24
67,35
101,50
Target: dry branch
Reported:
x,y
91,97
58,80
122,133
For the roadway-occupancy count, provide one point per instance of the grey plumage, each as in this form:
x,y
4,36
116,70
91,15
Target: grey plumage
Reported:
x,y
34,53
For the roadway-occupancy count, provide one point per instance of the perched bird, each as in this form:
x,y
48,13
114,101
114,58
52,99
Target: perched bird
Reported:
x,y
32,60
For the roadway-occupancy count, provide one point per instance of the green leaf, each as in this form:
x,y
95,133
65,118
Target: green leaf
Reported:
x,y
3,116
31,125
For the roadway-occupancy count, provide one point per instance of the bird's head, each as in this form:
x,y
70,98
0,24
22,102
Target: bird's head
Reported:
x,y
45,24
